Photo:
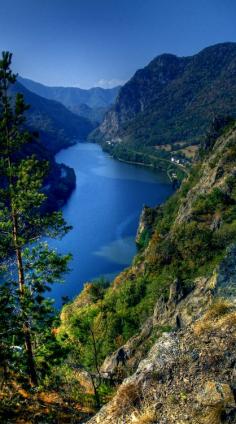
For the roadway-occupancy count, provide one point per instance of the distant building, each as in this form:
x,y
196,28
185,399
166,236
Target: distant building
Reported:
x,y
175,160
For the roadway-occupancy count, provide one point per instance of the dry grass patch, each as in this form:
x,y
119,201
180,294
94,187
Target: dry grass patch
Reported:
x,y
218,308
213,416
189,151
147,416
219,316
128,398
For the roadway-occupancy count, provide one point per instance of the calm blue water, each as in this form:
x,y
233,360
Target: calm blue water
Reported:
x,y
104,211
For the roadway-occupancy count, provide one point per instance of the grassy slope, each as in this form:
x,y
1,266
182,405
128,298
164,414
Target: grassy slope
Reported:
x,y
174,99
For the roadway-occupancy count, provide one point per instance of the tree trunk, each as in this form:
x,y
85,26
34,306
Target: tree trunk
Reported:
x,y
15,232
26,326
95,389
96,386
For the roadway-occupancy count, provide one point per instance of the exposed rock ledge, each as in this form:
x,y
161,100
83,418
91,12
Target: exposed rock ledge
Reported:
x,y
189,375
146,225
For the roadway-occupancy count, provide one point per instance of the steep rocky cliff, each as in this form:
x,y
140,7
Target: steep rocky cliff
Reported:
x,y
189,375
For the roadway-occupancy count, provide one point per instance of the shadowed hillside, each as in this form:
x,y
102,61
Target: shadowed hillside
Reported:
x,y
173,100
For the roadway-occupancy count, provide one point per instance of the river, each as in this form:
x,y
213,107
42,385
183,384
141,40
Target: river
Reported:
x,y
104,211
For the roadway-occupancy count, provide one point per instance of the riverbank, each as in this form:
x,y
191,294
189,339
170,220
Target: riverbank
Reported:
x,y
104,211
176,172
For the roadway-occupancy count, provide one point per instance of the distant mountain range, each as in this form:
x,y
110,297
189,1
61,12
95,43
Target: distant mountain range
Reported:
x,y
173,99
57,126
91,104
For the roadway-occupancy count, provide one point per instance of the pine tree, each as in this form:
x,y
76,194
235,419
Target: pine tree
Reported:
x,y
27,265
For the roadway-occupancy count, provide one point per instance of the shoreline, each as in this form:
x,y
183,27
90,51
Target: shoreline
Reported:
x,y
146,165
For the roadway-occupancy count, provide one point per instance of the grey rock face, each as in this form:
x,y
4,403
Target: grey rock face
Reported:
x,y
226,277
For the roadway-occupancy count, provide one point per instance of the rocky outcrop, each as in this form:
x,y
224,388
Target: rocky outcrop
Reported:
x,y
216,394
225,285
134,349
179,311
214,174
146,225
189,375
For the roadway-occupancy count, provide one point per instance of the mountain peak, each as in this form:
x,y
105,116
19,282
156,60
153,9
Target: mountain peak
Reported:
x,y
173,99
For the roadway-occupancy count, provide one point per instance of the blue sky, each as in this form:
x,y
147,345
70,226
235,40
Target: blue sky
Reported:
x,y
86,43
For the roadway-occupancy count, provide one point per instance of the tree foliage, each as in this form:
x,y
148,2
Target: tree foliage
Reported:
x,y
28,266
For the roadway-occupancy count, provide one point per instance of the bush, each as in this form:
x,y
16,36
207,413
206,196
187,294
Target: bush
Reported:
x,y
218,308
128,397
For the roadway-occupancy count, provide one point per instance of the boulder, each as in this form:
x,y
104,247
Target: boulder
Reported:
x,y
216,393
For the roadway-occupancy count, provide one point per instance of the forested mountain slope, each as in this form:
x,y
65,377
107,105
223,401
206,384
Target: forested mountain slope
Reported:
x,y
91,103
174,99
57,126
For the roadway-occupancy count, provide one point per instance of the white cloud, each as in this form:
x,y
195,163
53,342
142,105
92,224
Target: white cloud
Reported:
x,y
105,83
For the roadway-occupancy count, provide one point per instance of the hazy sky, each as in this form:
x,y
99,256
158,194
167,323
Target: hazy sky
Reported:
x,y
103,42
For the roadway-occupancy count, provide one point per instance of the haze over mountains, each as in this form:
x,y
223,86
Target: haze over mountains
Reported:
x,y
57,126
174,99
91,103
